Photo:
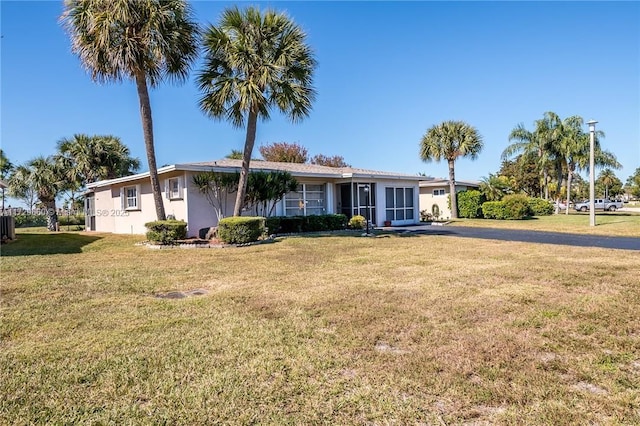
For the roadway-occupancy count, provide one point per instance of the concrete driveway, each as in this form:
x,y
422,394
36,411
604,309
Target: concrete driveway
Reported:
x,y
579,240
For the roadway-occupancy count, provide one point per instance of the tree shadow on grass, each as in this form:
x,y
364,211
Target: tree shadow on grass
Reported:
x,y
31,244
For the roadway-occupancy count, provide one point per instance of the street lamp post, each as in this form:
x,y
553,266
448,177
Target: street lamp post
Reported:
x,y
366,191
592,184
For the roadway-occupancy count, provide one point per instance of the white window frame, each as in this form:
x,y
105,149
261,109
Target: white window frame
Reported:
x,y
169,193
439,192
124,197
405,208
303,202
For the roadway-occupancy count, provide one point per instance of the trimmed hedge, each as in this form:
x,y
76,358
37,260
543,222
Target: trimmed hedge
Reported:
x,y
493,210
166,231
241,229
540,207
470,204
294,224
512,207
516,206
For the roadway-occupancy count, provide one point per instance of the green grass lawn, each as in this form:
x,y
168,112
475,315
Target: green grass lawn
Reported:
x,y
622,224
318,330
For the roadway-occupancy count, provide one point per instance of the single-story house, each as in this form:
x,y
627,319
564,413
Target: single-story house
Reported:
x,y
434,195
125,204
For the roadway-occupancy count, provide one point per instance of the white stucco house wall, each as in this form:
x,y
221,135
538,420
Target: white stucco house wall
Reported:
x,y
125,204
434,195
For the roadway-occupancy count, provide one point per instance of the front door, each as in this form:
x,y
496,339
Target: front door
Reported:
x,y
365,201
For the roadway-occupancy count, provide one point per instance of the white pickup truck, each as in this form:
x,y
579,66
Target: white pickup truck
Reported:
x,y
600,204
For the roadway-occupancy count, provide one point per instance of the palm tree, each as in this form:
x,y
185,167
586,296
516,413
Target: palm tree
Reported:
x,y
96,157
143,41
543,143
448,141
20,186
253,62
607,178
43,176
5,169
495,187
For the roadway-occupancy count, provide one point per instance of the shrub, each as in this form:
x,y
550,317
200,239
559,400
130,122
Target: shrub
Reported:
x,y
357,222
241,230
470,204
336,222
516,206
74,219
314,223
273,224
540,207
425,216
293,224
493,210
166,231
25,220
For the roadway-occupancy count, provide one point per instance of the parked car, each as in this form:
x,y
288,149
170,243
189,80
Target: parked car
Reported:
x,y
600,204
563,206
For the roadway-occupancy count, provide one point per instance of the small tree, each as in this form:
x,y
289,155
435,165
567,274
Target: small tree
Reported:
x,y
495,187
216,187
5,170
284,152
323,160
265,189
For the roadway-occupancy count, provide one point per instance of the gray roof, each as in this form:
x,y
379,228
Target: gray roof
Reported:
x,y
301,168
296,169
440,182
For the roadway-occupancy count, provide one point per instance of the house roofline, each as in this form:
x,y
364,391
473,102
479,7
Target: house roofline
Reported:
x,y
442,182
339,174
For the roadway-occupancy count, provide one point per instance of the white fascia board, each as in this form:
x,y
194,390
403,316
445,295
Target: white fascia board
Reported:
x,y
130,178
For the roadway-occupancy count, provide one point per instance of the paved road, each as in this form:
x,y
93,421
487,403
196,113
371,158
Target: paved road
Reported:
x,y
622,243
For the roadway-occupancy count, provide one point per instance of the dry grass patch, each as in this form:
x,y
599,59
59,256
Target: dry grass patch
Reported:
x,y
339,330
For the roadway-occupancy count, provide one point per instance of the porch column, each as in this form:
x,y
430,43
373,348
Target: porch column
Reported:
x,y
330,192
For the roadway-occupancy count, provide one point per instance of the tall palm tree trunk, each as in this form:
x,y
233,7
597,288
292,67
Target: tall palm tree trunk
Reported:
x,y
246,159
545,177
559,190
147,128
569,176
52,214
452,190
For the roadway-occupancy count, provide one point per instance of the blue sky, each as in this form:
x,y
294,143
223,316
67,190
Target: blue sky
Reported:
x,y
387,72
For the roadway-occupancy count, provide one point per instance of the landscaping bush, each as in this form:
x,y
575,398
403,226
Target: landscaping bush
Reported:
x,y
493,210
291,224
166,231
516,206
336,222
470,204
312,223
426,216
540,207
273,224
74,219
25,220
241,230
357,222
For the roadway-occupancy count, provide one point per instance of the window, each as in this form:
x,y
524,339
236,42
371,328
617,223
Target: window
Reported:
x,y
437,192
174,189
308,199
130,197
399,204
